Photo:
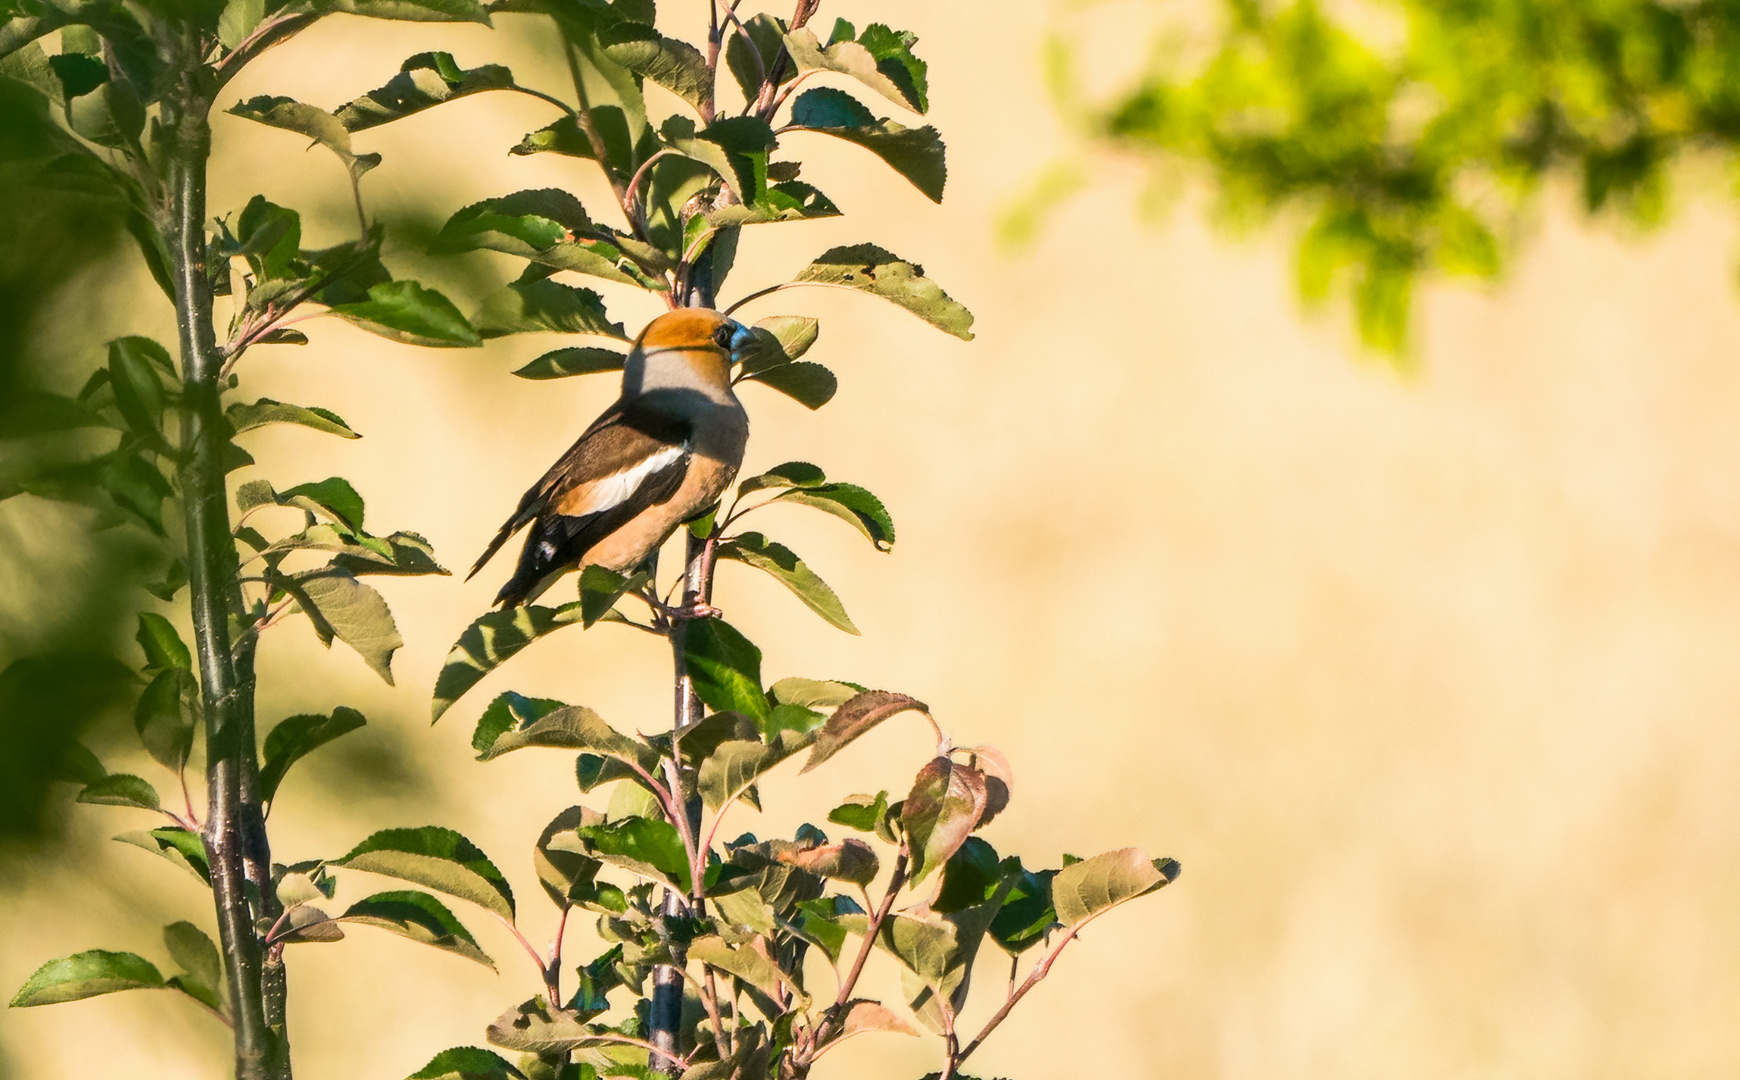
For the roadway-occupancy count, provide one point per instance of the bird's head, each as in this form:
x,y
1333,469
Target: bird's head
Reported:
x,y
689,348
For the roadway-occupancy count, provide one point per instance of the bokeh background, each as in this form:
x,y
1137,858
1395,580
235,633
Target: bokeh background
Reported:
x,y
1427,675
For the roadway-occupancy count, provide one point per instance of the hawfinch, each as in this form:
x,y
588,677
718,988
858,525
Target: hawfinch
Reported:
x,y
657,458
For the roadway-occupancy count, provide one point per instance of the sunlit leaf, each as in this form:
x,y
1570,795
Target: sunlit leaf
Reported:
x,y
266,411
535,303
747,964
179,846
120,789
810,385
945,805
574,360
725,667
1093,886
87,974
438,859
340,606
857,716
780,563
296,737
891,70
870,269
467,1063
424,81
917,154
420,918
406,312
490,641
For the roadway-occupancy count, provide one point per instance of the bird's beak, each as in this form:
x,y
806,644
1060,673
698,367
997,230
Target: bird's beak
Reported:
x,y
741,338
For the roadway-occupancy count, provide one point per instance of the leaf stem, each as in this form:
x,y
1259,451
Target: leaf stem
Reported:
x,y
1040,970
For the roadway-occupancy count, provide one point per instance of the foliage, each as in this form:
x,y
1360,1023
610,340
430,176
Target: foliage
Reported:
x,y
713,940
1409,146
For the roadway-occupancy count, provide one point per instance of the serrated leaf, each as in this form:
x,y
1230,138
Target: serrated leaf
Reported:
x,y
600,589
536,1028
567,873
87,974
406,553
163,646
315,123
809,384
138,367
730,769
294,738
849,860
944,808
750,62
166,715
725,667
857,716
120,789
812,693
853,58
238,20
649,847
861,812
423,82
438,859
864,1016
675,65
307,924
790,200
783,565
190,947
179,846
747,964
408,10
536,304
340,605
851,504
918,154
266,411
490,641
574,360
735,149
1084,890
332,498
879,272
467,1063
418,917
569,727
406,312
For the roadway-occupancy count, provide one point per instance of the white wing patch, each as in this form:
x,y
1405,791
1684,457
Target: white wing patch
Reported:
x,y
617,488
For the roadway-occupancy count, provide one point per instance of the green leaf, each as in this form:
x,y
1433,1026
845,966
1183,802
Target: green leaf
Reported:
x,y
810,385
266,411
812,693
790,200
467,1063
550,227
778,340
163,647
725,667
179,846
332,498
790,474
895,74
651,848
752,61
506,713
406,312
574,360
779,562
857,716
918,154
849,860
1089,888
944,808
861,812
600,589
567,872
340,605
747,964
407,553
138,367
675,65
194,951
535,1028
295,738
567,727
851,504
438,859
317,124
120,789
730,769
37,412
420,918
868,268
84,975
408,10
238,20
423,82
735,148
490,641
535,303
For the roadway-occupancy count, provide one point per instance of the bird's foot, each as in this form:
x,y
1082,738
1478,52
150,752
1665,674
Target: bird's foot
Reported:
x,y
689,612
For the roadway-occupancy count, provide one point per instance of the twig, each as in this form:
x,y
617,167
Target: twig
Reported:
x,y
537,961
1040,970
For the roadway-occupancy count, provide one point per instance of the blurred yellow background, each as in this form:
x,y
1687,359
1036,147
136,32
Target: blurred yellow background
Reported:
x,y
1428,679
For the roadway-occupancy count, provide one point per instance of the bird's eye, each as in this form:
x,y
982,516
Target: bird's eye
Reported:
x,y
722,336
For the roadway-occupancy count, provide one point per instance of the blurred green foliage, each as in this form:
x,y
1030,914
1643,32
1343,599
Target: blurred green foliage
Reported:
x,y
1409,144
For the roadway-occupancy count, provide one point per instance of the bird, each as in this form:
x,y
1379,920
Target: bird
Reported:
x,y
657,458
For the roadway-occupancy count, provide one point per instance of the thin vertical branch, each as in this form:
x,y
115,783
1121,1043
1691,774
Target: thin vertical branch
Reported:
x,y
233,834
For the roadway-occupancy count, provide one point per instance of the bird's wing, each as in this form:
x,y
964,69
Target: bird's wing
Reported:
x,y
632,457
